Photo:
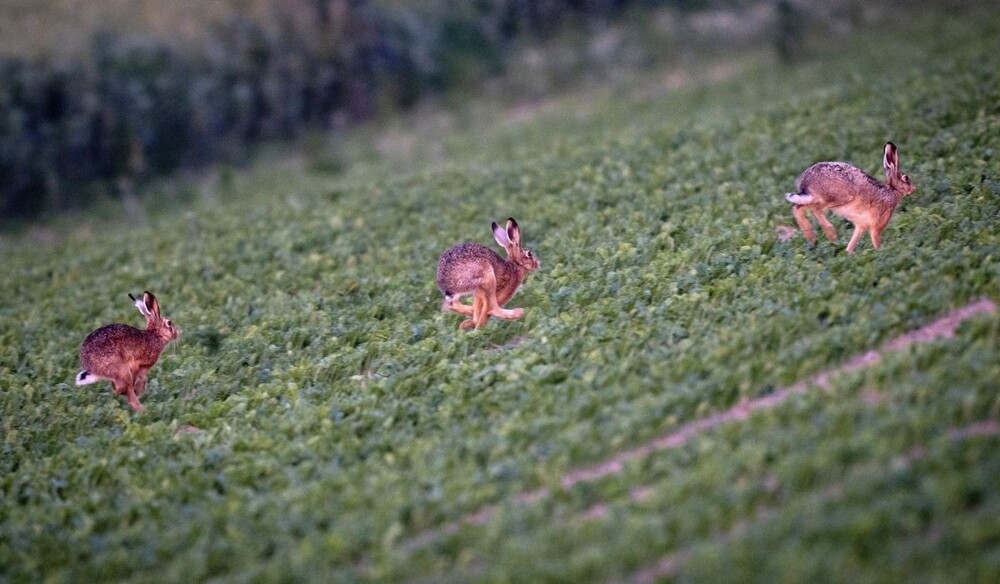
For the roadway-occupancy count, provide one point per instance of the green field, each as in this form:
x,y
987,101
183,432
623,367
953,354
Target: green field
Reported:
x,y
320,419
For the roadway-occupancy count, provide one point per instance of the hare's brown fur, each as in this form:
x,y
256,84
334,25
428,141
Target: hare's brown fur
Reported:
x,y
474,269
851,193
123,354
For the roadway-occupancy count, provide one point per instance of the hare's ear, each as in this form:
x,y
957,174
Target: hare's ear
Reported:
x,y
890,160
152,306
501,236
513,231
140,303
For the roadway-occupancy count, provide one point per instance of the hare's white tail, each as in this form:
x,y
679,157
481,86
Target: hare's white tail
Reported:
x,y
86,378
799,198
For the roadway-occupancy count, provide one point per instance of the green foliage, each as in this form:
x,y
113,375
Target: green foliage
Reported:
x,y
319,411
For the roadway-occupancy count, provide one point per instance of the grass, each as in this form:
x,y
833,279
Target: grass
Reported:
x,y
319,412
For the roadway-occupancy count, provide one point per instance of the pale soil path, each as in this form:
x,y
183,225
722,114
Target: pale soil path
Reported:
x,y
667,566
943,327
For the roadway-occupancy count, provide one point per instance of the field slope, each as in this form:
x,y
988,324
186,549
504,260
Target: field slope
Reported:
x,y
688,395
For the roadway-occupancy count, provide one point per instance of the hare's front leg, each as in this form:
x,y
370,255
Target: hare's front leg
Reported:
x,y
140,383
486,298
118,386
125,386
858,232
500,312
800,217
876,237
479,314
512,314
481,307
134,401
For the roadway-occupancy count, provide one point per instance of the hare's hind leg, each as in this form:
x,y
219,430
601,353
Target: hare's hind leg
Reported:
x,y
455,305
486,298
824,222
804,224
479,315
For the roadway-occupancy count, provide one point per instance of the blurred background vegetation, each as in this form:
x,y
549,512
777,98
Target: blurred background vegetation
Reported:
x,y
98,98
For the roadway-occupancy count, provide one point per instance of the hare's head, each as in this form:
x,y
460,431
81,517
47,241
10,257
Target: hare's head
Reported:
x,y
897,181
509,238
150,308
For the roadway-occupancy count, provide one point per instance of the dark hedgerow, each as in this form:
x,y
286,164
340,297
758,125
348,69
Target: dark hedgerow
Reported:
x,y
135,109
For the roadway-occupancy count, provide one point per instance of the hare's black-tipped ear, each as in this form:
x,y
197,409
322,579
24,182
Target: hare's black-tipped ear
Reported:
x,y
500,235
152,306
890,160
140,303
513,231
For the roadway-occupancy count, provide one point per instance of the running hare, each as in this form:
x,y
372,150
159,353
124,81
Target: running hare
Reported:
x,y
471,268
851,193
122,354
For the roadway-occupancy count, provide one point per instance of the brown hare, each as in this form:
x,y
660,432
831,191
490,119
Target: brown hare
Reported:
x,y
474,269
851,193
122,354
